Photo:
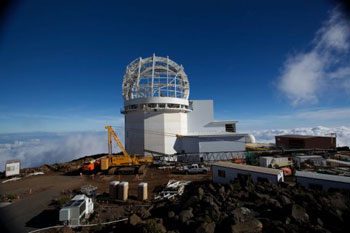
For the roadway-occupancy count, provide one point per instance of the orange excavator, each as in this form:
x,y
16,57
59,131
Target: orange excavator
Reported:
x,y
91,165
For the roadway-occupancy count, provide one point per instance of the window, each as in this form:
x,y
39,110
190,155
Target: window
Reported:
x,y
221,173
230,128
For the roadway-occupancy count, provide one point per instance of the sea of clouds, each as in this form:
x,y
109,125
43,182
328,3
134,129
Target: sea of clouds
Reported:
x,y
35,149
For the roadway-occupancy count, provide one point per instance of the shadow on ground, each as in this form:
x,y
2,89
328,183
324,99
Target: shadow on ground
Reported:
x,y
46,218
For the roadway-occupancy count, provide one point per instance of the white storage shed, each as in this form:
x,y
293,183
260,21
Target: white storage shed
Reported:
x,y
224,172
315,180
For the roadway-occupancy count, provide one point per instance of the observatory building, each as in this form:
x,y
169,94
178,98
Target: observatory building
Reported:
x,y
159,117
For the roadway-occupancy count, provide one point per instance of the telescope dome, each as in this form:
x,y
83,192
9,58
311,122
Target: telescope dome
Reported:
x,y
155,77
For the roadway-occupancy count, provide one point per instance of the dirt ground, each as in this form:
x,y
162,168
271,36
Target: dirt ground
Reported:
x,y
33,207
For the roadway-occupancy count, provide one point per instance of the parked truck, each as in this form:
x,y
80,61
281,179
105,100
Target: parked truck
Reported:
x,y
195,169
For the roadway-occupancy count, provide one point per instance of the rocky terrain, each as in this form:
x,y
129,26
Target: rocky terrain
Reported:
x,y
205,207
242,206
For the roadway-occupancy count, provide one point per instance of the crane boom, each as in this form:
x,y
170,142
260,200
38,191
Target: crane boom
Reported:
x,y
111,133
120,160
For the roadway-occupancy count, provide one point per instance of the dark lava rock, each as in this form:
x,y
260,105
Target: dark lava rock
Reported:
x,y
134,219
209,208
185,215
299,214
143,213
251,226
285,200
241,214
206,228
171,214
154,225
200,193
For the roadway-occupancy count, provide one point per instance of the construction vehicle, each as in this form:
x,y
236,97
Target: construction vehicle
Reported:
x,y
286,165
124,160
252,158
238,160
90,166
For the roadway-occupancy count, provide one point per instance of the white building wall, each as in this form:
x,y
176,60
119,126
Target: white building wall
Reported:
x,y
221,144
195,144
174,123
202,114
232,173
156,131
154,139
153,131
189,145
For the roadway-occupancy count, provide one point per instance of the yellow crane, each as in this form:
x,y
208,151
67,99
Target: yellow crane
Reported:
x,y
120,160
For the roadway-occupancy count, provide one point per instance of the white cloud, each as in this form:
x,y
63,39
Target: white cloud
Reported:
x,y
268,136
306,75
324,114
35,150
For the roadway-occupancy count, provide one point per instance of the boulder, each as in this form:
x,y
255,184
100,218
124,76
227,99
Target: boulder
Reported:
x,y
143,212
299,214
222,190
185,215
200,192
274,203
134,219
241,214
191,201
171,214
338,201
154,225
285,200
250,226
212,188
319,222
206,228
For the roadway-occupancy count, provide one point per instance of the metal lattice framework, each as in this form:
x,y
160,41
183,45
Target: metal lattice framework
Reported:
x,y
155,77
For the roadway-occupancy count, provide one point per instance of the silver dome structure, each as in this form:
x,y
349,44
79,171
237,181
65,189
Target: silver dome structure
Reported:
x,y
155,77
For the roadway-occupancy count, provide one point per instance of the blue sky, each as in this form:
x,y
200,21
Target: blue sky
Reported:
x,y
268,64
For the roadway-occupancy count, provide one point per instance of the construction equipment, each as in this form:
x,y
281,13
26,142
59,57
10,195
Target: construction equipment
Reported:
x,y
252,158
124,160
285,164
90,165
254,148
173,189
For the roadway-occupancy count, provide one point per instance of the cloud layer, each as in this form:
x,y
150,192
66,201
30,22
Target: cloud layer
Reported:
x,y
268,136
305,75
47,148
